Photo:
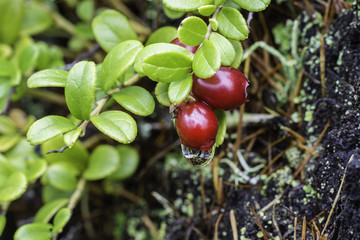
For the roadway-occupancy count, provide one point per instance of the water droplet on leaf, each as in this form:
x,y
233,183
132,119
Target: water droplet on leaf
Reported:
x,y
198,158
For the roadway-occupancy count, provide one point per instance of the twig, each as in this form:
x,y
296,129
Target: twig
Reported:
x,y
58,151
258,221
217,226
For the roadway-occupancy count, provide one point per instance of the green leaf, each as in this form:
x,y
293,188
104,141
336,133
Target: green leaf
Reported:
x,y
71,137
49,193
111,28
37,19
158,48
239,52
6,169
179,90
85,10
232,24
13,187
117,125
192,31
103,161
43,59
207,10
129,161
136,100
117,61
9,74
48,78
80,89
206,60
8,141
32,231
34,169
172,14
2,223
221,116
61,219
47,211
47,128
28,58
226,49
161,93
219,2
253,5
162,35
186,5
11,16
84,31
7,126
61,176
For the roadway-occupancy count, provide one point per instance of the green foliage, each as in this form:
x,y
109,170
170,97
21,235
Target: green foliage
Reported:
x,y
47,212
129,161
14,186
36,19
2,223
11,17
61,219
226,49
253,5
185,5
221,116
207,60
192,31
232,24
161,93
31,231
179,90
48,78
162,35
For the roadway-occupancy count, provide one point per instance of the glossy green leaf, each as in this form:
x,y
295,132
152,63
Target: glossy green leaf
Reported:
x,y
226,49
61,219
34,231
35,168
2,223
136,100
129,162
186,5
61,177
5,88
161,93
253,5
8,141
6,169
37,19
207,10
232,24
72,136
9,74
47,128
220,136
206,60
179,90
158,48
219,2
117,125
80,89
85,10
13,187
172,14
117,61
49,193
44,57
11,16
28,58
239,52
103,161
48,78
192,31
111,28
7,126
47,211
162,35
84,31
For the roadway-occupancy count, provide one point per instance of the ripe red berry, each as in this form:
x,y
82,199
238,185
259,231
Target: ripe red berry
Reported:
x,y
225,90
196,125
192,49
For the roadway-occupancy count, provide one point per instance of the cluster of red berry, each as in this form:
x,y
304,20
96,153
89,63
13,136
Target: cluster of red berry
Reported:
x,y
196,123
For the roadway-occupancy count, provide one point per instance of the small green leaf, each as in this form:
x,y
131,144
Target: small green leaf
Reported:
x,y
161,93
47,128
179,90
103,161
35,169
117,61
85,10
162,35
186,5
9,74
117,125
61,219
47,211
129,161
172,14
61,177
11,16
192,31
7,126
111,28
13,187
206,60
49,193
226,49
48,78
239,52
32,231
28,58
221,116
2,223
253,5
219,2
80,89
71,137
207,10
232,24
136,100
8,141
36,19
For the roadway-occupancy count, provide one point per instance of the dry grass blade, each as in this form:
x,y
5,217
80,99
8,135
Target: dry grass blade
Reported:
x,y
149,224
277,157
295,134
233,225
295,225
258,221
217,226
322,66
303,232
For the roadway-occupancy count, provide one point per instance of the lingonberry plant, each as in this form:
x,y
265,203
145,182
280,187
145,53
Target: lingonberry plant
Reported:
x,y
197,60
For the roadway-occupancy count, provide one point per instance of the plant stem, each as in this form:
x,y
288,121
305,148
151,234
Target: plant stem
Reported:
x,y
100,104
214,16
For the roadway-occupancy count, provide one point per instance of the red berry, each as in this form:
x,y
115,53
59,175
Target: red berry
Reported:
x,y
196,125
190,48
225,90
